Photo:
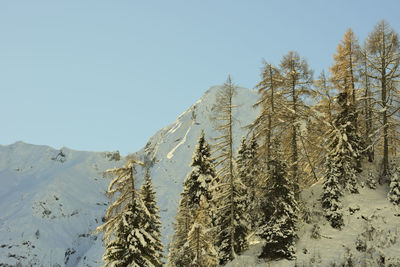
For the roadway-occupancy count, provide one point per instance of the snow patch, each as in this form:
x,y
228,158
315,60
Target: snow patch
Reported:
x,y
171,153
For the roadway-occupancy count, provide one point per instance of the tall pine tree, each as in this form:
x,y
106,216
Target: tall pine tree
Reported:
x,y
127,241
153,225
194,211
332,193
249,171
278,228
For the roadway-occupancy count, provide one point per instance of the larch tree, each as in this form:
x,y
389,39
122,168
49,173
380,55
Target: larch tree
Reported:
x,y
200,237
270,99
297,79
324,96
346,63
127,241
153,225
229,192
179,254
323,112
367,103
382,46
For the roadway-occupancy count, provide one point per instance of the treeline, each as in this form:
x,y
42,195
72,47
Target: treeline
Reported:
x,y
307,130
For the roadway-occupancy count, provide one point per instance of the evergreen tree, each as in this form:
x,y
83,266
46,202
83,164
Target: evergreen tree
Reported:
x,y
126,220
344,145
153,225
331,194
394,192
371,182
196,190
199,179
249,171
279,230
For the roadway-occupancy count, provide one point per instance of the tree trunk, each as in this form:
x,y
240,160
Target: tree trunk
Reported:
x,y
294,143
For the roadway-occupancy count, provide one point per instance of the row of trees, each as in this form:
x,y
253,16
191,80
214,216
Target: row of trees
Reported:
x,y
225,198
305,130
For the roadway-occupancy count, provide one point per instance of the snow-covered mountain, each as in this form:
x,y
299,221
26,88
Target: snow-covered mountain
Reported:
x,y
51,200
172,147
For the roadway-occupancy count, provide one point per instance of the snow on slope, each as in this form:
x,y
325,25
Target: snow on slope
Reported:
x,y
368,210
50,202
172,147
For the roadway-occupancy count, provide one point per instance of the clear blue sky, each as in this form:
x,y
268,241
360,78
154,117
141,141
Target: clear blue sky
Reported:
x,y
106,75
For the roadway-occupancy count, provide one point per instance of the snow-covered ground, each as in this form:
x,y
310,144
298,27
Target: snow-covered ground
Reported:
x,y
370,221
50,202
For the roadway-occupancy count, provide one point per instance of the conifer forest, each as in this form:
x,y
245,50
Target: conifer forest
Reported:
x,y
339,129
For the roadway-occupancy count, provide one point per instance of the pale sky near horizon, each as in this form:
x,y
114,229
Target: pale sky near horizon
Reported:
x,y
106,75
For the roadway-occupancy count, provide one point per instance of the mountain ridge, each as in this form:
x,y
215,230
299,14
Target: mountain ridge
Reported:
x,y
55,197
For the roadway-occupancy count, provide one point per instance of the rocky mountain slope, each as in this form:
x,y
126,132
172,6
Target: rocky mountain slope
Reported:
x,y
51,200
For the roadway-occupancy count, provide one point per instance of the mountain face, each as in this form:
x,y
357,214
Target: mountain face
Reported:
x,y
52,200
172,147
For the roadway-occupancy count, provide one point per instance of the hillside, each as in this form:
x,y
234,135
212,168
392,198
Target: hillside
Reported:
x,y
370,237
50,202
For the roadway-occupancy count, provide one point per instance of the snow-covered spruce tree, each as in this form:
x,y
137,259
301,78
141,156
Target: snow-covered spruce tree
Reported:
x,y
199,179
196,188
229,192
394,192
371,181
153,225
249,170
344,145
279,231
127,241
332,193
